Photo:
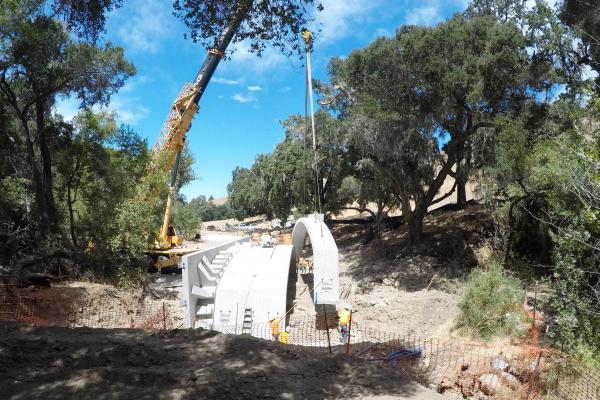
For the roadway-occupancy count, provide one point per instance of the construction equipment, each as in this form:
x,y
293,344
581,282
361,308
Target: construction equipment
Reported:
x,y
167,250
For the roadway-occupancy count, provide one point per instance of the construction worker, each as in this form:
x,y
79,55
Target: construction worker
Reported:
x,y
343,323
302,265
275,327
283,338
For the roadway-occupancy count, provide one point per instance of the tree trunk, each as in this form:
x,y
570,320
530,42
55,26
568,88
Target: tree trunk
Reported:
x,y
461,192
414,219
462,178
40,110
415,227
71,216
38,181
72,200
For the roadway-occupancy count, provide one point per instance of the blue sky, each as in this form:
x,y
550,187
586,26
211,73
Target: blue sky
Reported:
x,y
248,96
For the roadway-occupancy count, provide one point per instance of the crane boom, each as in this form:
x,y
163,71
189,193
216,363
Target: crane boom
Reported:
x,y
167,150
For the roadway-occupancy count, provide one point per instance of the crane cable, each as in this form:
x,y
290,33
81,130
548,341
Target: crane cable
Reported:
x,y
308,41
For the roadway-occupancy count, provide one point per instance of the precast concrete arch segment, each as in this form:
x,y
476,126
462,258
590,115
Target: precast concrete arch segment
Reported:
x,y
325,257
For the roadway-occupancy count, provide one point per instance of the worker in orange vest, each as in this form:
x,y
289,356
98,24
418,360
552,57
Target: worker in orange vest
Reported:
x,y
344,320
284,336
275,327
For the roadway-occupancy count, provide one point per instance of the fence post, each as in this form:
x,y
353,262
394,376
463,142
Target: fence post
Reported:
x,y
349,331
327,328
535,375
237,305
534,302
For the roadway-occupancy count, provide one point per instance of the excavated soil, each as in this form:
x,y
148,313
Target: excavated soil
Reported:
x,y
402,290
82,363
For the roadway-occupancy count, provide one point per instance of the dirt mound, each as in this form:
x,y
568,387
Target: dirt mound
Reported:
x,y
60,363
92,305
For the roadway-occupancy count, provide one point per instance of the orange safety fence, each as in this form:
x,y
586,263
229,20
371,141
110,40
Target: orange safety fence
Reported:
x,y
467,368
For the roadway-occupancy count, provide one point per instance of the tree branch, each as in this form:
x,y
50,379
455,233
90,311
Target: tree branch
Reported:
x,y
360,210
445,196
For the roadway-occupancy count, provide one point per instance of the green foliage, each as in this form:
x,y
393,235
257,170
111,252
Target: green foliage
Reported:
x,y
284,173
15,201
431,89
288,178
186,219
15,209
492,304
544,181
113,206
85,19
246,192
138,218
278,23
586,25
208,211
573,219
40,60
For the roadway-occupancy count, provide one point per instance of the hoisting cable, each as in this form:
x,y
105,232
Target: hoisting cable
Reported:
x,y
304,158
308,41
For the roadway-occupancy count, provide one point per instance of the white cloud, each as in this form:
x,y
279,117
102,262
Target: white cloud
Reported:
x,y
225,81
285,89
254,88
146,27
242,59
133,83
68,107
342,18
127,107
243,98
129,110
423,16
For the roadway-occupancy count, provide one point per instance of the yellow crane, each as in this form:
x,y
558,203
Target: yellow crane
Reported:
x,y
167,250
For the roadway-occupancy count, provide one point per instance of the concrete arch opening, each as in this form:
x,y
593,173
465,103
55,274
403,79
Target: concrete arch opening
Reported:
x,y
325,270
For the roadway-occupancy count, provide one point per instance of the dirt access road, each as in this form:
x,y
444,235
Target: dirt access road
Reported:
x,y
59,363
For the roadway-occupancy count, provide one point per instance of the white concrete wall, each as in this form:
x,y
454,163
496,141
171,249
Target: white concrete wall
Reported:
x,y
256,278
190,276
325,257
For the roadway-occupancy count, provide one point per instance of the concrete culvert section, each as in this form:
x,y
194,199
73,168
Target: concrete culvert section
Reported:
x,y
242,284
237,284
326,283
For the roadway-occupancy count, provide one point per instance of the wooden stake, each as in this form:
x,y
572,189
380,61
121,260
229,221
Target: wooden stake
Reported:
x,y
327,328
349,331
431,281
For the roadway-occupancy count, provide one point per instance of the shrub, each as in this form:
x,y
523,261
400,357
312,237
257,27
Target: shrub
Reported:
x,y
492,304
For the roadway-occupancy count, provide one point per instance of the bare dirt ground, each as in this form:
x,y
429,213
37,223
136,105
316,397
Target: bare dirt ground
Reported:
x,y
393,288
60,363
401,290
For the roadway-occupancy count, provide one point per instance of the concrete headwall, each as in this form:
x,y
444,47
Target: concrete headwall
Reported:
x,y
190,276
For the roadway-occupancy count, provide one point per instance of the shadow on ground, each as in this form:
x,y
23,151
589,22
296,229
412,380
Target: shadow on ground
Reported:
x,y
446,252
60,363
